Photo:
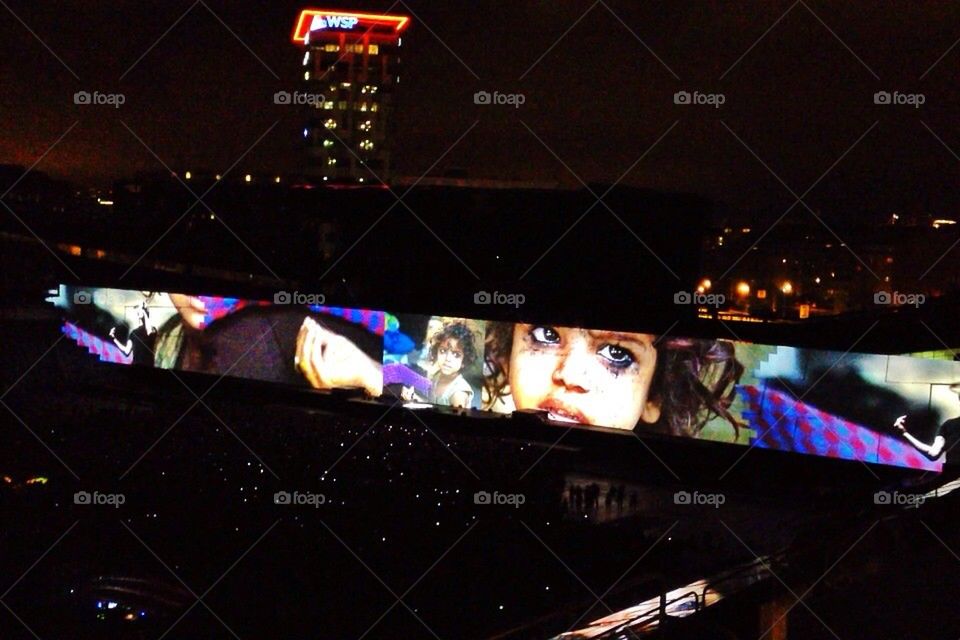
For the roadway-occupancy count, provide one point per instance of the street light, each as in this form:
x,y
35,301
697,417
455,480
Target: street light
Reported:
x,y
787,288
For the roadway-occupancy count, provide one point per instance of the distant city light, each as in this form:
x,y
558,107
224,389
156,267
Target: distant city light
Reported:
x,y
277,179
787,288
188,175
743,289
247,178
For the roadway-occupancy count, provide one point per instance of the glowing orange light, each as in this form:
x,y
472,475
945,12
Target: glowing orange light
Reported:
x,y
364,20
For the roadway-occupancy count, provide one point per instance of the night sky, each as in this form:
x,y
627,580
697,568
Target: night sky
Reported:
x,y
800,95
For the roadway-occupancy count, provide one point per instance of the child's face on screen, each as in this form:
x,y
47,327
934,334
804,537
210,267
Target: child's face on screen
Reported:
x,y
450,357
578,375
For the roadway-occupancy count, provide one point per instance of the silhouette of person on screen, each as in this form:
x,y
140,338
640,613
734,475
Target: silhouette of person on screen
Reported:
x,y
945,440
140,342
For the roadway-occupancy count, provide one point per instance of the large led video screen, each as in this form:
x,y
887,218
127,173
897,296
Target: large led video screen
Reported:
x,y
883,409
292,339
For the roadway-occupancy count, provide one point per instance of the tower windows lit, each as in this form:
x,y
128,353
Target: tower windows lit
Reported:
x,y
351,58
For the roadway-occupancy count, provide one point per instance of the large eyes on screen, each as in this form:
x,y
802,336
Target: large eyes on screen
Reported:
x,y
617,356
545,335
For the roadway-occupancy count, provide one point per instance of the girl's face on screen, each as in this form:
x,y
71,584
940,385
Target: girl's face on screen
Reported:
x,y
450,357
577,375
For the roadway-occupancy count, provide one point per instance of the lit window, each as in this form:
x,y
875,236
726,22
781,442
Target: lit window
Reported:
x,y
366,126
330,124
345,85
373,107
306,58
331,161
342,105
306,75
331,47
366,145
328,105
327,143
373,49
363,106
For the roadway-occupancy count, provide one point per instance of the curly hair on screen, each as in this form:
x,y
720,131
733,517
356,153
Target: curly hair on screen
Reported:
x,y
694,382
464,337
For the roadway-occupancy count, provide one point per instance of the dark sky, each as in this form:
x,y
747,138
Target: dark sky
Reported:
x,y
799,98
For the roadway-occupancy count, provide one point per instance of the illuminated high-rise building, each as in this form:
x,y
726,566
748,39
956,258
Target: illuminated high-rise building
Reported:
x,y
353,61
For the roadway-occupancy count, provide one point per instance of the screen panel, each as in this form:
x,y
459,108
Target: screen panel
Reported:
x,y
883,409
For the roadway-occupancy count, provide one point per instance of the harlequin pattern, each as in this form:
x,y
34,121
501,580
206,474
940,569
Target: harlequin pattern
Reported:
x,y
787,424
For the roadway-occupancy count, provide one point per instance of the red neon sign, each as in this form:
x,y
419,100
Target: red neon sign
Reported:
x,y
334,19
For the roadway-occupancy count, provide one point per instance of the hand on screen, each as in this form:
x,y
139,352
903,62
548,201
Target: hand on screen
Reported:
x,y
328,360
900,424
190,308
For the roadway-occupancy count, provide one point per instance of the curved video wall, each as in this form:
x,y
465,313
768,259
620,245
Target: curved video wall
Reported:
x,y
884,409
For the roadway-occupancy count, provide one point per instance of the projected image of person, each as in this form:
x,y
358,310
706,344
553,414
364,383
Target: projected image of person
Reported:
x,y
944,442
611,378
140,341
452,350
325,347
447,362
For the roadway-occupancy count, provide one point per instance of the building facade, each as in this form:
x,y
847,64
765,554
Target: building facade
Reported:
x,y
352,60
